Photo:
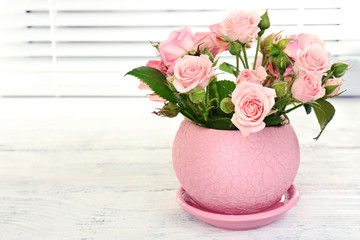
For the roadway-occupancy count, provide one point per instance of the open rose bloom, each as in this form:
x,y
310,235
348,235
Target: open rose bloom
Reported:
x,y
286,73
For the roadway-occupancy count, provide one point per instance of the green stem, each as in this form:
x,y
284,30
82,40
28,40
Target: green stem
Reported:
x,y
204,113
291,109
266,81
245,55
257,51
265,60
189,110
242,60
192,107
281,77
213,86
189,116
328,76
237,65
207,89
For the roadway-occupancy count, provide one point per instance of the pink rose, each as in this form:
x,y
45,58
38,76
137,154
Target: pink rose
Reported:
x,y
307,87
307,39
253,103
180,42
242,25
292,48
261,73
312,59
247,76
218,30
157,65
255,76
191,72
300,42
334,82
207,40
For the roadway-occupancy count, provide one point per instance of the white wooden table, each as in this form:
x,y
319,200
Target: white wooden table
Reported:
x,y
102,169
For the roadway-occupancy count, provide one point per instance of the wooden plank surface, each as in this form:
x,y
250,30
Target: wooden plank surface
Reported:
x,y
101,169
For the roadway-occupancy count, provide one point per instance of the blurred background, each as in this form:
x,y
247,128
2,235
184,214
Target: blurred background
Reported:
x,y
83,48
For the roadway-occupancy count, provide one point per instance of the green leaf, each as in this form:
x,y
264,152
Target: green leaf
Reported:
x,y
273,120
221,123
155,80
225,88
227,67
307,108
324,112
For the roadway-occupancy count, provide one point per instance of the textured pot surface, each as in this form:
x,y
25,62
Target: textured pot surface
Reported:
x,y
226,172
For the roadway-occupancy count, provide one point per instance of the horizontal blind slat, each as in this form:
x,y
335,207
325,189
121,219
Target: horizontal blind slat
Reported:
x,y
129,49
128,18
97,42
189,4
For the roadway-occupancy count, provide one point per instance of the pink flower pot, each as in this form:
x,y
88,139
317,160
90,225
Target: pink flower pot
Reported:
x,y
226,172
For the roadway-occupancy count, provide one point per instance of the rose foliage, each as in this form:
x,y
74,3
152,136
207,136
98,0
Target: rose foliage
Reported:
x,y
286,73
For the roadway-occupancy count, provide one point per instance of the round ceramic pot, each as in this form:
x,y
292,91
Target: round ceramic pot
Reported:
x,y
226,172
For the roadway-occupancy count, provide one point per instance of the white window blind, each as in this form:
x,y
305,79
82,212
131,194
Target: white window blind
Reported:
x,y
84,47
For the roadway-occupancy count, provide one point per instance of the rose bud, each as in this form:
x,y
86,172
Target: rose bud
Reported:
x,y
264,22
169,110
332,86
282,62
235,48
197,95
281,88
226,105
339,69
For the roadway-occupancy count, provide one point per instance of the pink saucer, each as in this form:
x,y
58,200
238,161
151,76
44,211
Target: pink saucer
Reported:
x,y
244,221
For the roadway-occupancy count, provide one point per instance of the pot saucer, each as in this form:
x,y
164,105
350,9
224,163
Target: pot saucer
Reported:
x,y
243,221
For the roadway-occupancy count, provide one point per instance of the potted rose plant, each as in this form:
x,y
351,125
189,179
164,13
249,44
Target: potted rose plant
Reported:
x,y
236,154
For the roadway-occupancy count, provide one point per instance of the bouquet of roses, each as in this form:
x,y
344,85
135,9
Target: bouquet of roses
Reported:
x,y
286,73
